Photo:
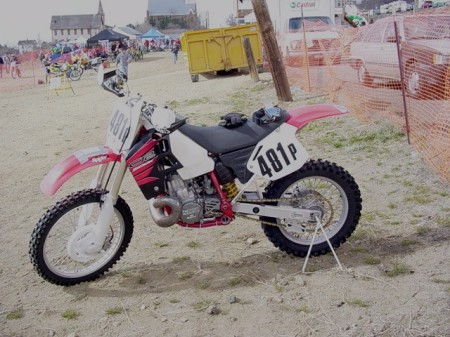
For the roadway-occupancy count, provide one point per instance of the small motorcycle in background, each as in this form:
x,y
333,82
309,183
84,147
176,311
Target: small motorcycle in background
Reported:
x,y
189,176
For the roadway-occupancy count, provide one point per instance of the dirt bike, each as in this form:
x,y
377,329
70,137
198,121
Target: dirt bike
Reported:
x,y
72,71
189,176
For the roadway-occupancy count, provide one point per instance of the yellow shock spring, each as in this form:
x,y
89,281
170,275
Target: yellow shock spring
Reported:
x,y
230,189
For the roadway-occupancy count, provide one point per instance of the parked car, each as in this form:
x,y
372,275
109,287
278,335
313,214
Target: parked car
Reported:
x,y
427,4
425,48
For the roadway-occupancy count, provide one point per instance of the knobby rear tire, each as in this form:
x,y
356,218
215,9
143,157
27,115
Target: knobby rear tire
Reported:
x,y
37,246
325,173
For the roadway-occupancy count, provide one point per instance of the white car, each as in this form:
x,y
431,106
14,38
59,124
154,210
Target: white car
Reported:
x,y
425,49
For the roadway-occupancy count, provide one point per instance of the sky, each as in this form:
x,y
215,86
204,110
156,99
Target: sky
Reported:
x,y
30,19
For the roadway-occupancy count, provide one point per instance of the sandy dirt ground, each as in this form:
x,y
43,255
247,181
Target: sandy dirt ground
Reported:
x,y
396,277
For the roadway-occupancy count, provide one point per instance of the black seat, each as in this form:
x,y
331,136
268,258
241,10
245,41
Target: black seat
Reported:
x,y
218,139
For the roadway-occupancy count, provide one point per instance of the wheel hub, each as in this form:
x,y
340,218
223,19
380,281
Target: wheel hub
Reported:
x,y
83,244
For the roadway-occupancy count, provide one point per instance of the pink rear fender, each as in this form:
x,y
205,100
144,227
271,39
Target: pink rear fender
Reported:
x,y
301,116
75,163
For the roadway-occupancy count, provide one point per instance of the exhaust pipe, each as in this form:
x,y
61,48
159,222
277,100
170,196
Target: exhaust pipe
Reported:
x,y
158,214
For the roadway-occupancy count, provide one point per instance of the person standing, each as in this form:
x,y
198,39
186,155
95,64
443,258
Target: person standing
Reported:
x,y
6,60
1,66
175,50
122,60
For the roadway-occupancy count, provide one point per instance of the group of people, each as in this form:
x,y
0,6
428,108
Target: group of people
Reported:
x,y
10,62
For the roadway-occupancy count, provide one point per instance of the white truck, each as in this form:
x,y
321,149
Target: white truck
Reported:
x,y
306,30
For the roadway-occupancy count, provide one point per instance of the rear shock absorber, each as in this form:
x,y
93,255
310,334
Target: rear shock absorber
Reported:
x,y
230,189
226,179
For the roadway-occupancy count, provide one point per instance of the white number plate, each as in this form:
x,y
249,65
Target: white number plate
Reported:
x,y
122,126
278,155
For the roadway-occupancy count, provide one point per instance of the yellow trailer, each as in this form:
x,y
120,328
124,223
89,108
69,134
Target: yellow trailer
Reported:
x,y
220,49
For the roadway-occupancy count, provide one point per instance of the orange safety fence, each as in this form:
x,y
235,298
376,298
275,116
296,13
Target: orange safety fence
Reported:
x,y
364,73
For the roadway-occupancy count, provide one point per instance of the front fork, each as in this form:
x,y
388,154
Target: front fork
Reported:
x,y
100,230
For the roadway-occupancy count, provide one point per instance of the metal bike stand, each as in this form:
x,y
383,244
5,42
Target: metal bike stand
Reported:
x,y
319,225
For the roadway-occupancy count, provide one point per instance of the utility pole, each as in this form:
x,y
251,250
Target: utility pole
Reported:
x,y
272,51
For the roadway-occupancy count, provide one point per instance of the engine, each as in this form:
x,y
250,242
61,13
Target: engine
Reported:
x,y
189,201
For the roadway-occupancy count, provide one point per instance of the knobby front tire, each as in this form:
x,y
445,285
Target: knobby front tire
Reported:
x,y
57,236
321,186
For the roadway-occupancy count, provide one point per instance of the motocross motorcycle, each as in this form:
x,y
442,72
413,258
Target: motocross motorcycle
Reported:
x,y
195,177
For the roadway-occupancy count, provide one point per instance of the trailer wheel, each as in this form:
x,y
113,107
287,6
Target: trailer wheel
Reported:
x,y
194,78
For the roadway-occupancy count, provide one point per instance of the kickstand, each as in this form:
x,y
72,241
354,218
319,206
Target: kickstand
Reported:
x,y
319,225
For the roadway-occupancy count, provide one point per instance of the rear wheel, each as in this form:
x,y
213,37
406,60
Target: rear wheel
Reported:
x,y
60,249
321,186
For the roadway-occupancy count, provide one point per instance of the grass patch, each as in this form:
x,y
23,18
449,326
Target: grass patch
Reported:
x,y
422,230
372,260
443,220
303,309
202,286
441,281
408,242
174,300
114,311
420,195
160,244
391,205
311,268
185,275
398,269
234,281
193,244
14,314
202,305
197,101
358,303
70,314
178,259
358,250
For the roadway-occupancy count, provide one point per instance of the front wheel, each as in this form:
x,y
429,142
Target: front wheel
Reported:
x,y
60,249
75,74
321,186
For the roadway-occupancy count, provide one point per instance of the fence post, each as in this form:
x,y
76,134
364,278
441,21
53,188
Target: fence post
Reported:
x,y
273,52
402,80
250,59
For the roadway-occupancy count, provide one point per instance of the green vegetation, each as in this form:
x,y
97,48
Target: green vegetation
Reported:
x,y
234,281
185,275
114,311
408,242
398,269
178,259
193,244
160,244
202,305
371,260
15,314
358,303
303,309
70,314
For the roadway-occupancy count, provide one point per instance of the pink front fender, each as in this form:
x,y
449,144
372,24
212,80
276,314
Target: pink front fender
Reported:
x,y
75,163
299,117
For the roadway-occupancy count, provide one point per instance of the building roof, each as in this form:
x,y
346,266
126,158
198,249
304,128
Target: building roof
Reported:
x,y
170,7
129,30
76,21
27,42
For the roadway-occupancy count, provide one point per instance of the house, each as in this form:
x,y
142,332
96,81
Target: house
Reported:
x,y
170,7
26,45
172,14
73,27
